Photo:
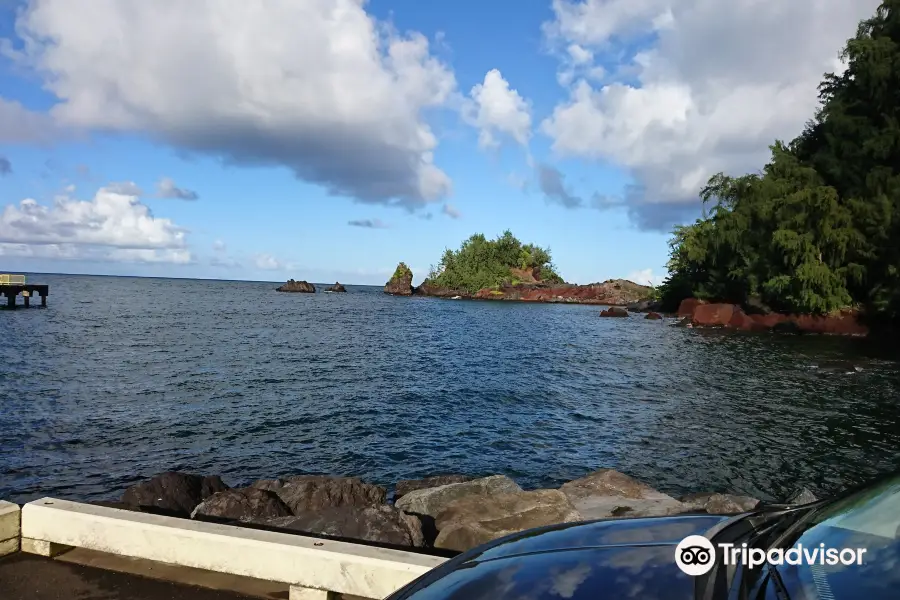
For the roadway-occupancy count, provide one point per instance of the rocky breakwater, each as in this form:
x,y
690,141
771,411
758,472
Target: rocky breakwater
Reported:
x,y
301,287
447,512
698,313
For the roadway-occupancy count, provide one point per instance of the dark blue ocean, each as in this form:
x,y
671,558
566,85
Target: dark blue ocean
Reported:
x,y
121,378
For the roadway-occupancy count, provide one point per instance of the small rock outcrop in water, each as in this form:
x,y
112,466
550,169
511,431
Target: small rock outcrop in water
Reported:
x,y
178,493
400,284
297,287
475,520
337,287
410,485
614,311
384,524
242,504
652,316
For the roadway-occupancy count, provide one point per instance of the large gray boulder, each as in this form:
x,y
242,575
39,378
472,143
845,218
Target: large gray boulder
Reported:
x,y
242,504
607,493
177,493
475,520
719,504
384,524
305,493
406,486
432,501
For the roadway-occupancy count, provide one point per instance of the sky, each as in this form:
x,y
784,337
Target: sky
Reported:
x,y
328,140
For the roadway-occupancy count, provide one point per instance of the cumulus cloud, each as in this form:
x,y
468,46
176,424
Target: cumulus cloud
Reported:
x,y
717,85
368,223
111,226
267,262
18,124
553,185
166,188
496,109
319,86
451,211
646,277
5,166
219,246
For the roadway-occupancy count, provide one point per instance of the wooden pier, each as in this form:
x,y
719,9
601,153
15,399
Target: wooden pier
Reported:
x,y
12,286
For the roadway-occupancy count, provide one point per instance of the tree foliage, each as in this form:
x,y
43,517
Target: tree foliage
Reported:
x,y
402,272
819,228
481,263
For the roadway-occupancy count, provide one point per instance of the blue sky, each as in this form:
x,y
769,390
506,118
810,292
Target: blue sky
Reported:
x,y
241,143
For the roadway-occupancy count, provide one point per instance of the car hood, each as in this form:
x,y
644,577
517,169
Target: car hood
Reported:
x,y
625,558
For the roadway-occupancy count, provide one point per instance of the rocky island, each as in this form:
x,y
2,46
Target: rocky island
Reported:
x,y
301,287
506,269
337,287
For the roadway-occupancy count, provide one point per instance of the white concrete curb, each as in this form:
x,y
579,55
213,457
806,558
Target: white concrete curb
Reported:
x,y
50,525
9,527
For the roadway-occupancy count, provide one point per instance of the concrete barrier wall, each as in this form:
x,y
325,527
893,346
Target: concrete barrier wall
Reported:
x,y
9,528
49,525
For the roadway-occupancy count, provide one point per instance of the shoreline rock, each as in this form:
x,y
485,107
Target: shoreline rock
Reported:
x,y
731,316
449,512
301,287
336,288
614,292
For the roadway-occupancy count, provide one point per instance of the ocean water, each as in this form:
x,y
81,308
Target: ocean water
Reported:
x,y
122,378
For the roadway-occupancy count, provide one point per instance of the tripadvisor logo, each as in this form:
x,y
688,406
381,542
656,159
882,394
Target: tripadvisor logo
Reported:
x,y
695,555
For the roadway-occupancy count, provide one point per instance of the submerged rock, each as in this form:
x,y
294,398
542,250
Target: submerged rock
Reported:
x,y
475,520
608,493
242,504
431,501
400,284
337,287
720,504
410,485
652,316
297,286
384,524
614,311
310,493
178,493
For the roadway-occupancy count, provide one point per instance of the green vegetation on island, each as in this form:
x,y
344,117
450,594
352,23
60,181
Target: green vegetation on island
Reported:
x,y
402,272
481,263
819,228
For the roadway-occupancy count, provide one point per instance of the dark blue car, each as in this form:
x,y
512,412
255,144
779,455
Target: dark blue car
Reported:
x,y
635,558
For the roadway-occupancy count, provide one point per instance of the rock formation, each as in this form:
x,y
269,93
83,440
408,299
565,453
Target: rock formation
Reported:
x,y
731,316
400,283
337,287
172,492
242,504
297,287
406,486
614,311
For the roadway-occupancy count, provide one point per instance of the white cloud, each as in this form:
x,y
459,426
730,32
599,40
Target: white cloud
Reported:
x,y
267,262
451,211
368,223
646,277
18,124
125,188
219,246
166,188
495,108
720,83
317,86
90,253
109,219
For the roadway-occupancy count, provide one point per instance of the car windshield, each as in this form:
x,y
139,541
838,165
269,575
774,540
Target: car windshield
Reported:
x,y
868,520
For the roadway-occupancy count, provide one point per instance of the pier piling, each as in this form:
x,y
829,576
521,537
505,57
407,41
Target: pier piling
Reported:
x,y
13,285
